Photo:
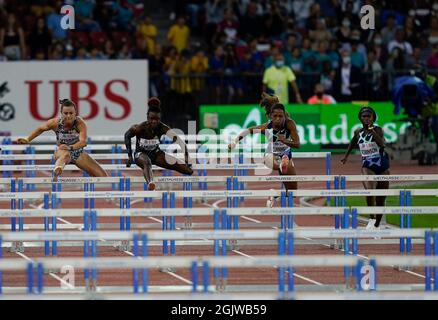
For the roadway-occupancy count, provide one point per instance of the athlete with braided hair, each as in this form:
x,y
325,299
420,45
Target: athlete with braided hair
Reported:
x,y
147,147
375,161
71,138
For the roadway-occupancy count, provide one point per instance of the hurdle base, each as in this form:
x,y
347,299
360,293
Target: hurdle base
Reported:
x,y
124,246
16,247
188,225
47,271
338,244
403,268
220,284
166,269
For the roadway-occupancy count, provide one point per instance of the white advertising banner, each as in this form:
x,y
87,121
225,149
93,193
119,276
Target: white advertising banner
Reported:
x,y
110,95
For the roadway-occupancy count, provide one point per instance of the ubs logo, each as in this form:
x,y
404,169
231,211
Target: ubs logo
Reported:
x,y
7,110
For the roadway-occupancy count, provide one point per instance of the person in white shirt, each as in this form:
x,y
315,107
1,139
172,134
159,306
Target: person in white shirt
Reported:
x,y
399,42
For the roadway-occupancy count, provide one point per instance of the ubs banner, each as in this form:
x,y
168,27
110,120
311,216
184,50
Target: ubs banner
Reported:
x,y
110,95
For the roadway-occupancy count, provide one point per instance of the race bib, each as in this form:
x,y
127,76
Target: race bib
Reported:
x,y
369,149
149,144
68,136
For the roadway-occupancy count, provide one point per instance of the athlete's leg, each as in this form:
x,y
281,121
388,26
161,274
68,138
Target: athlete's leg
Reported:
x,y
90,166
169,162
380,200
371,200
62,157
145,163
291,171
272,162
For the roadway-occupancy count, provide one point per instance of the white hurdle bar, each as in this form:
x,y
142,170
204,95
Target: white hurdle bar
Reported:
x,y
172,179
198,155
122,167
196,179
182,212
214,194
200,147
227,262
245,234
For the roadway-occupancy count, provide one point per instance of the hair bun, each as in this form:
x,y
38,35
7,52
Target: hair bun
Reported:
x,y
154,102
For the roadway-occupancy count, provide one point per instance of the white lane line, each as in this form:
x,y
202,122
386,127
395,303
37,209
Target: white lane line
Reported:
x,y
179,277
251,219
295,274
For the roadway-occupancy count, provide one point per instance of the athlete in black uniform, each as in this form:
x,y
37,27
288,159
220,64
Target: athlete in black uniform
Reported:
x,y
147,146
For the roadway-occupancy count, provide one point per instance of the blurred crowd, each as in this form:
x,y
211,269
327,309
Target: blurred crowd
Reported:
x,y
225,46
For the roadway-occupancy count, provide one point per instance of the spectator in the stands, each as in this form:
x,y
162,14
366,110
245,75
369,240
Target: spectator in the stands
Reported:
x,y
12,39
148,30
333,53
109,51
84,20
40,39
122,15
156,68
388,32
399,42
277,79
96,54
301,10
373,71
57,51
216,69
232,81
199,66
269,60
433,30
125,54
274,22
344,32
322,55
432,62
314,16
320,33
229,26
320,97
327,77
411,34
395,63
347,80
251,24
296,61
141,49
82,54
54,22
178,35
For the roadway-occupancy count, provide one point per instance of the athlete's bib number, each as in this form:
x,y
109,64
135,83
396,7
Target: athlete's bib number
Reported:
x,y
369,149
149,144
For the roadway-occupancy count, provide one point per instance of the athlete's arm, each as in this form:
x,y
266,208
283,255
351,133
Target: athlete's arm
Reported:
x,y
82,128
261,128
175,138
351,146
294,141
132,132
378,136
49,125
